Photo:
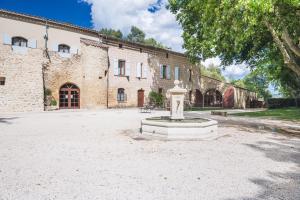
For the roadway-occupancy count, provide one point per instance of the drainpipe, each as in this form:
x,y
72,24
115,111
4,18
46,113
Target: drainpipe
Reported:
x,y
107,72
44,65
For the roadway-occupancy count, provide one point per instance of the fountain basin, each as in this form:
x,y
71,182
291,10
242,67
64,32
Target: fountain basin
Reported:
x,y
188,128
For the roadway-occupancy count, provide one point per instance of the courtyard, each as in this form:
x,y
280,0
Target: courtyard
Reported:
x,y
99,154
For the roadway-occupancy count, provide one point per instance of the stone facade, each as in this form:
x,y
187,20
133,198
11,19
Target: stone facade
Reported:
x,y
92,66
23,89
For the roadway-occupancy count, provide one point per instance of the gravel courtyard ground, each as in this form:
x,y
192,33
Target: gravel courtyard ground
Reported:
x,y
96,155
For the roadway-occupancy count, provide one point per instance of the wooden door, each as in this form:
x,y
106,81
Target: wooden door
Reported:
x,y
69,97
140,98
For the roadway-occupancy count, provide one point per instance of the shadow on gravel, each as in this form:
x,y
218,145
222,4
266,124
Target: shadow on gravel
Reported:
x,y
285,186
7,120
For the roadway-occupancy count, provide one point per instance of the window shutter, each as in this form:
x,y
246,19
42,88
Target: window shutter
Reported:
x,y
145,71
176,73
55,47
32,43
161,71
6,39
116,67
168,72
127,69
73,50
138,70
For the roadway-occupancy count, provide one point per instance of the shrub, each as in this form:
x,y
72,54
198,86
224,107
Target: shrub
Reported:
x,y
156,98
53,102
47,92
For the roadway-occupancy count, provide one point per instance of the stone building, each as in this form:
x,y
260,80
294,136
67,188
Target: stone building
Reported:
x,y
80,68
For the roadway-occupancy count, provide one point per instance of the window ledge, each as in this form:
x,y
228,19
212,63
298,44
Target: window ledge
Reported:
x,y
20,50
64,55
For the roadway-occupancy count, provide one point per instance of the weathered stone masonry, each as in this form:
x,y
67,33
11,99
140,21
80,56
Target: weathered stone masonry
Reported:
x,y
90,65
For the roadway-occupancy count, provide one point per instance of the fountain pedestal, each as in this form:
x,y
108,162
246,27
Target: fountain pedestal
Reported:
x,y
176,126
177,101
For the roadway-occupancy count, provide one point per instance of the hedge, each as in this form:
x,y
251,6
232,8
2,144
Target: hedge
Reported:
x,y
283,102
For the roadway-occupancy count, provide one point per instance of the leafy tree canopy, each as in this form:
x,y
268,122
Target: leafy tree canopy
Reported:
x,y
111,32
136,35
213,71
255,81
262,33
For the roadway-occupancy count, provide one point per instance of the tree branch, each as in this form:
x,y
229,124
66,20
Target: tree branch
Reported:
x,y
287,39
287,58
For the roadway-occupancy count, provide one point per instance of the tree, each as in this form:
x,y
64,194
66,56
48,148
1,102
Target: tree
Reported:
x,y
136,35
255,81
242,30
112,33
154,43
212,71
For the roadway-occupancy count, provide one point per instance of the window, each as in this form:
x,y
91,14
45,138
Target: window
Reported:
x,y
167,55
19,41
160,90
63,48
120,46
2,80
121,67
164,72
121,97
190,75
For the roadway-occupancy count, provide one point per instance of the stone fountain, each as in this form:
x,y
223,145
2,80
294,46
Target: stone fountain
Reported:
x,y
176,126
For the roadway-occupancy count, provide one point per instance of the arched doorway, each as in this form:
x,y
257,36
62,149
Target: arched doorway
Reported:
x,y
198,98
69,96
213,98
141,97
229,98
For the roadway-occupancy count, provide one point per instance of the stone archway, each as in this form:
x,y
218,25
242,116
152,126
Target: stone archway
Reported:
x,y
198,98
69,96
228,98
213,98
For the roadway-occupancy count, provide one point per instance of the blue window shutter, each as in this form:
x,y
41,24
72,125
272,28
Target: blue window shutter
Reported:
x,y
73,50
32,43
168,72
138,70
161,71
127,68
176,73
116,67
6,39
145,71
55,47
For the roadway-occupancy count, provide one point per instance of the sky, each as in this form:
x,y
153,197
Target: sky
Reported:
x,y
149,15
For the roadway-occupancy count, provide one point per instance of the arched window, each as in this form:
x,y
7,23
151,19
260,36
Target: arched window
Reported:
x,y
63,48
121,95
19,41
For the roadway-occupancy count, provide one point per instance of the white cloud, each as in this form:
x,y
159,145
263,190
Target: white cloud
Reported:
x,y
230,72
161,25
122,14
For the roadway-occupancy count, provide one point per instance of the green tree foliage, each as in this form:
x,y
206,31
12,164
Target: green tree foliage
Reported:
x,y
262,33
112,33
156,98
212,71
154,43
136,35
255,81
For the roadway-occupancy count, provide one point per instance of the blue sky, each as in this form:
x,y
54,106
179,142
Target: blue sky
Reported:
x,y
71,11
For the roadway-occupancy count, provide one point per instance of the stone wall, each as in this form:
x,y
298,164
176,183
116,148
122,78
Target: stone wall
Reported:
x,y
86,70
23,89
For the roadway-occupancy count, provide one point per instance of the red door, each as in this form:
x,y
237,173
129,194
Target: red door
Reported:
x,y
69,97
140,98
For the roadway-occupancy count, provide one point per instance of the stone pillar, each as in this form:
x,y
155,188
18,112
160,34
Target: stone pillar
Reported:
x,y
177,101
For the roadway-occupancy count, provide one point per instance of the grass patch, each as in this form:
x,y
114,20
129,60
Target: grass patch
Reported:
x,y
292,114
